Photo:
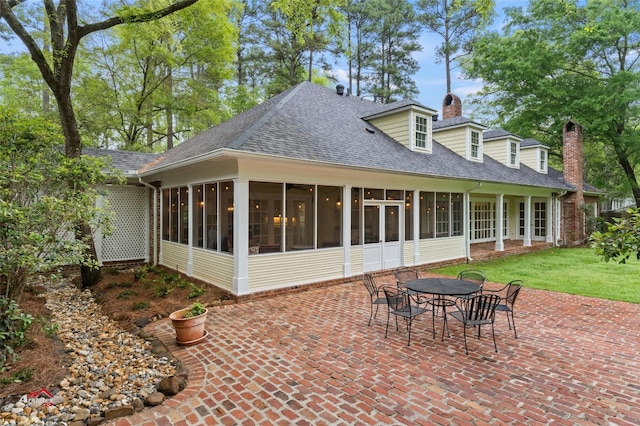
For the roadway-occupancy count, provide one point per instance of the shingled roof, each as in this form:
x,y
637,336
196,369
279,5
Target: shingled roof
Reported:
x,y
128,162
313,123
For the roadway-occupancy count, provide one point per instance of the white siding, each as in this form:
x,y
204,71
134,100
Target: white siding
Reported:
x,y
174,256
498,150
529,157
441,249
275,271
408,253
357,260
397,126
454,139
213,267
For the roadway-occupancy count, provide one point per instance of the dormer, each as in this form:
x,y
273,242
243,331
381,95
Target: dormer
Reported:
x,y
458,133
462,136
535,155
502,146
408,123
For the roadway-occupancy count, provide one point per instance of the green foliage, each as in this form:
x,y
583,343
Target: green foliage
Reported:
x,y
39,209
456,22
48,328
195,291
621,238
162,290
196,309
139,306
567,59
23,375
565,270
112,271
119,285
13,327
127,294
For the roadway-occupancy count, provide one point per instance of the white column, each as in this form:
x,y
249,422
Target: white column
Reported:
x,y
527,221
240,236
549,226
346,229
499,222
415,208
190,230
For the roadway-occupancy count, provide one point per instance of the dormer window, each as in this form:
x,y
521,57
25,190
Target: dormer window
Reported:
x,y
475,150
543,161
513,154
421,132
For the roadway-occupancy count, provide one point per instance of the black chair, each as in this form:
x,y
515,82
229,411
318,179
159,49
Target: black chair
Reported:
x,y
475,276
477,311
509,294
402,277
399,304
374,295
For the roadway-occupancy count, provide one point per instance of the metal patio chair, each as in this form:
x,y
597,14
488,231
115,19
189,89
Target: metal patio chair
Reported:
x,y
477,311
374,295
509,294
399,304
475,276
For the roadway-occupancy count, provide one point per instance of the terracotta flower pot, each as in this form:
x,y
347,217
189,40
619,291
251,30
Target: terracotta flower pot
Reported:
x,y
189,331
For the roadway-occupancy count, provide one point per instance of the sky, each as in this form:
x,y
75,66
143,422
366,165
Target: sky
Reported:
x,y
431,79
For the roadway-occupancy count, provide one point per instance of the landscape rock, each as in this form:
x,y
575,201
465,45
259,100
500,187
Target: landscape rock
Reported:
x,y
112,370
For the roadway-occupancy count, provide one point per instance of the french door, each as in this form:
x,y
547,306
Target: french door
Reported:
x,y
382,230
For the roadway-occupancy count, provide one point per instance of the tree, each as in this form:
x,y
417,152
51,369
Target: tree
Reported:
x,y
313,23
456,22
361,31
395,41
569,59
165,77
621,239
39,211
66,33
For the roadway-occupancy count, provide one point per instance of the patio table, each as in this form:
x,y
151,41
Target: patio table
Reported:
x,y
441,287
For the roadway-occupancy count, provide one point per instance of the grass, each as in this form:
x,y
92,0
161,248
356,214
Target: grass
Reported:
x,y
565,270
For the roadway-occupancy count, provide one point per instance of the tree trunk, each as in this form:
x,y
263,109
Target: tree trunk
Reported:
x,y
73,149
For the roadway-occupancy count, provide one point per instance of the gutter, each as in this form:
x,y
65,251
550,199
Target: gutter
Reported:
x,y
155,219
467,237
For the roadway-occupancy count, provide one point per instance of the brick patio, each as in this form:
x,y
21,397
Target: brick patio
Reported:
x,y
310,359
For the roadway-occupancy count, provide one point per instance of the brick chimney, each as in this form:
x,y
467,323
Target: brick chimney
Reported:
x,y
572,204
451,106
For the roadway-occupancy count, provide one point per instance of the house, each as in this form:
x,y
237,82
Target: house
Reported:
x,y
314,185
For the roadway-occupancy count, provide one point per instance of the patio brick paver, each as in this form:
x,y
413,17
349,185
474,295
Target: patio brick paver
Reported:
x,y
310,359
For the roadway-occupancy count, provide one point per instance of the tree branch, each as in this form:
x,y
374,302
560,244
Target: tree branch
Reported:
x,y
141,17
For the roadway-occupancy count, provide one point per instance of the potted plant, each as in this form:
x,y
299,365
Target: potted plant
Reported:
x,y
189,324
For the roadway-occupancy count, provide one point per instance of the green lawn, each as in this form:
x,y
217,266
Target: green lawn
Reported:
x,y
566,270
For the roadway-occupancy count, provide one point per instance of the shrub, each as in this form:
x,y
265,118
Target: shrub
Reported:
x,y
195,291
13,327
162,290
138,306
196,309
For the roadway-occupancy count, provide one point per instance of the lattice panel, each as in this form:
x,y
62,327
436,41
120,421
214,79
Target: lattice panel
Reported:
x,y
129,238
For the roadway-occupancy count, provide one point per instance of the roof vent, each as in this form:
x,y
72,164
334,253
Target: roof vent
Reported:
x,y
340,89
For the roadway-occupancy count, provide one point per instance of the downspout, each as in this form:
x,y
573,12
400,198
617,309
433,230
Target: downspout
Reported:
x,y
155,219
467,219
558,216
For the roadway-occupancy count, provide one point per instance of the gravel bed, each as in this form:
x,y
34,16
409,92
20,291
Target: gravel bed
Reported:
x,y
113,373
